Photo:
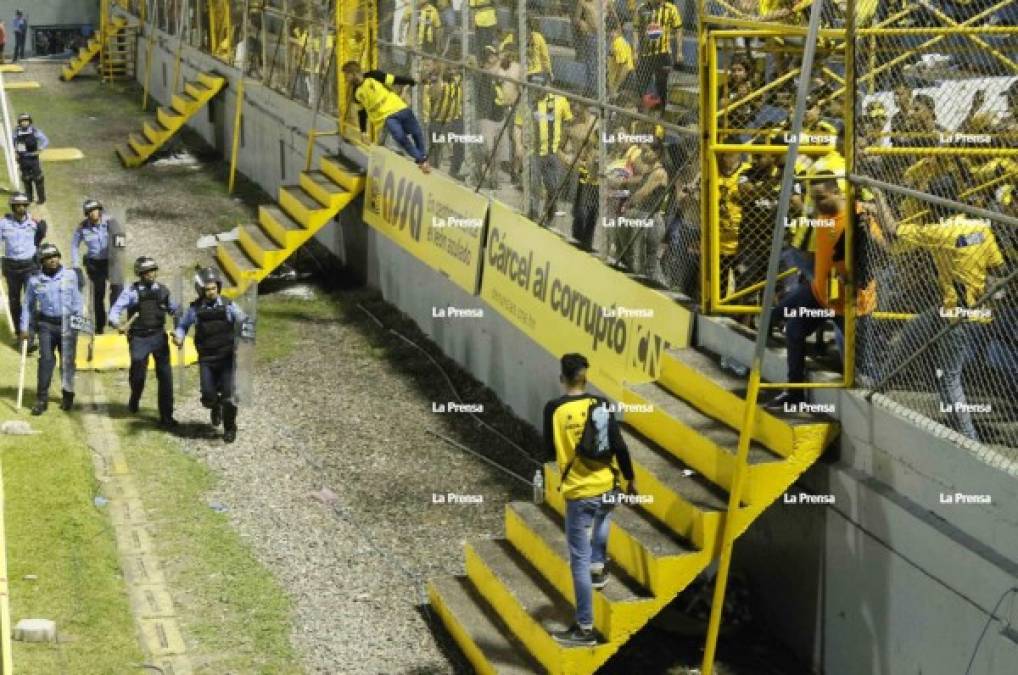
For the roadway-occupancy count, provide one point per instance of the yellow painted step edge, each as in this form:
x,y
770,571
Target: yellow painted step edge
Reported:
x,y
462,638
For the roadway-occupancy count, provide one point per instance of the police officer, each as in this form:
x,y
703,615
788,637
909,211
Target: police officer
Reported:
x,y
95,232
147,302
21,235
215,320
28,143
52,303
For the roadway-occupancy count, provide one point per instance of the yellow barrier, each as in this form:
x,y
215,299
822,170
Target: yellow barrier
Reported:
x,y
110,352
567,300
436,219
61,155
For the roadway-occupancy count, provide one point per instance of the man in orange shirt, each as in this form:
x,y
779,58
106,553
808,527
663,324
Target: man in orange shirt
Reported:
x,y
810,305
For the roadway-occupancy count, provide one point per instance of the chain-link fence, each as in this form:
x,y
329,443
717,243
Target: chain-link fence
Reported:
x,y
288,45
580,115
937,153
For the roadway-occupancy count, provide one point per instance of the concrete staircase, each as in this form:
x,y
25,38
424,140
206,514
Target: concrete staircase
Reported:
x,y
282,228
91,50
170,120
517,590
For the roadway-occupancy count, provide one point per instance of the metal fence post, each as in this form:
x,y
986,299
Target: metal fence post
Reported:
x,y
600,242
524,109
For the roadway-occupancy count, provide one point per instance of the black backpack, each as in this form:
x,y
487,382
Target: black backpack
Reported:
x,y
599,439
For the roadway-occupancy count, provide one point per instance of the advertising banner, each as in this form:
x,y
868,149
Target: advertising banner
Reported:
x,y
569,301
437,220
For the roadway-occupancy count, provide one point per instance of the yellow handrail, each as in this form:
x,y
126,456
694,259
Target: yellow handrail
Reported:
x,y
312,136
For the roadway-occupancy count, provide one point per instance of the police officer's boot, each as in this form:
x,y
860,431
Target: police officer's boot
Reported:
x,y
67,402
229,422
216,414
40,185
134,401
40,406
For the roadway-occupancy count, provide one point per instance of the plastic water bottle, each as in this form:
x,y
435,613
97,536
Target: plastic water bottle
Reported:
x,y
539,487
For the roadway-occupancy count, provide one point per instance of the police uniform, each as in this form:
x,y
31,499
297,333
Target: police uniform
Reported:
x,y
49,303
215,327
21,239
447,118
28,143
96,238
147,337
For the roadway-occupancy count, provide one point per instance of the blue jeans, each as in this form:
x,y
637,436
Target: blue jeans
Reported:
x,y
587,523
798,328
53,339
403,127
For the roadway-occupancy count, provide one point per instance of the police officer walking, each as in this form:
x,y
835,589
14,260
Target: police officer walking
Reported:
x,y
216,321
98,232
53,303
147,302
21,235
28,143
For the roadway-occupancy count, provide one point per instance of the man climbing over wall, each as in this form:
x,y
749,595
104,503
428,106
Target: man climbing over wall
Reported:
x,y
584,435
381,106
28,143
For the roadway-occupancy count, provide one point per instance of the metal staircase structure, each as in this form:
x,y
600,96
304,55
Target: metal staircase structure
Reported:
x,y
169,121
117,59
303,210
91,50
518,590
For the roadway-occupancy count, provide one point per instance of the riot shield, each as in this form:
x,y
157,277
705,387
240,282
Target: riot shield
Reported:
x,y
180,282
244,331
73,322
117,246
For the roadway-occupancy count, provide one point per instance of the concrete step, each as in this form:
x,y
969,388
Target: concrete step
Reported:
x,y
538,534
141,145
184,104
169,118
324,189
156,133
487,643
529,606
260,247
233,259
278,224
343,172
128,156
304,208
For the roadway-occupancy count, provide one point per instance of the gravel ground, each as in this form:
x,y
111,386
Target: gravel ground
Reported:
x,y
346,409
344,412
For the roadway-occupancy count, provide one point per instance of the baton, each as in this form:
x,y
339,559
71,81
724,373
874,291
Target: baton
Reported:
x,y
21,375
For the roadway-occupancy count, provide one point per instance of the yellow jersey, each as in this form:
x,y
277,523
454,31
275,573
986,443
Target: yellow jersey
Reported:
x,y
564,419
729,209
549,113
378,101
484,13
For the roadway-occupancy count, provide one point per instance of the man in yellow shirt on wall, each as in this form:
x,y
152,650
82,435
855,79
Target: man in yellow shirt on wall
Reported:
x,y
590,487
383,107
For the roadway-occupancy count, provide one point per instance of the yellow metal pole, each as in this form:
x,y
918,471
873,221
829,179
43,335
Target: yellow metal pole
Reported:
x,y
236,132
180,47
148,66
310,150
704,64
848,115
711,181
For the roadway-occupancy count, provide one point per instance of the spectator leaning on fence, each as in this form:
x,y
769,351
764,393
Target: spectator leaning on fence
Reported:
x,y
963,250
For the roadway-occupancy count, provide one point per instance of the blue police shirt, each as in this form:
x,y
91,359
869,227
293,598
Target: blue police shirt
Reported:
x,y
20,25
40,138
128,300
233,313
50,295
96,239
21,237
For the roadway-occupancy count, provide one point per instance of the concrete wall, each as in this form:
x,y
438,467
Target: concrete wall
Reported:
x,y
886,581
47,13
